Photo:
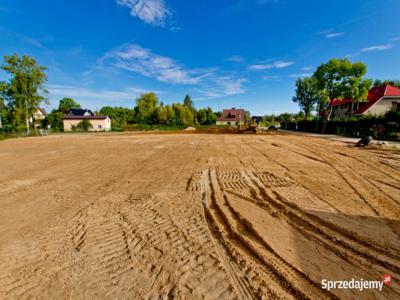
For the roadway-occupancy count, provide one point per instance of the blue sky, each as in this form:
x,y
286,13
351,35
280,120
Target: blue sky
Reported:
x,y
225,53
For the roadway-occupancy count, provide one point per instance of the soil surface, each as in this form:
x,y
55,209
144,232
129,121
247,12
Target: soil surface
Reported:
x,y
196,216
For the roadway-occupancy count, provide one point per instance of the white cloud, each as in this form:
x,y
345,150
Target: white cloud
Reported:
x,y
222,86
331,35
226,86
235,58
140,60
271,77
308,68
274,65
153,12
377,48
32,42
211,82
231,86
300,75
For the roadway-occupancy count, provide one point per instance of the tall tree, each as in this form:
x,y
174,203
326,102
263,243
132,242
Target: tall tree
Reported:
x,y
307,95
188,102
146,105
66,104
206,116
285,119
4,88
120,116
26,86
340,78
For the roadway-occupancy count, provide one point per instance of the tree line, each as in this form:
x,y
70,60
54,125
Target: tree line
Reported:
x,y
22,95
148,111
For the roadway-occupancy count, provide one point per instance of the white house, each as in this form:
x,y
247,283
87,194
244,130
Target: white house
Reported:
x,y
75,116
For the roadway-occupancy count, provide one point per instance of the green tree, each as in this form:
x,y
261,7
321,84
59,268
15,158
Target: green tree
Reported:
x,y
66,104
120,116
184,116
206,116
55,120
247,117
285,119
378,82
340,78
146,105
160,115
26,87
84,125
307,95
4,88
188,102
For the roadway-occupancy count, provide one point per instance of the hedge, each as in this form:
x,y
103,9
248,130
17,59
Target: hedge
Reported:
x,y
381,127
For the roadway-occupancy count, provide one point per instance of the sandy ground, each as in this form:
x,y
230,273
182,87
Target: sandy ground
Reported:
x,y
191,216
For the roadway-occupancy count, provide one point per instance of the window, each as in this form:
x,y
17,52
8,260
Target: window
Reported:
x,y
229,123
395,106
99,126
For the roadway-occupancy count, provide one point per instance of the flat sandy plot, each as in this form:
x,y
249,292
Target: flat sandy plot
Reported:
x,y
195,216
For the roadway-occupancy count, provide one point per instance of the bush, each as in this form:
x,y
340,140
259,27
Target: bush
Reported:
x,y
83,125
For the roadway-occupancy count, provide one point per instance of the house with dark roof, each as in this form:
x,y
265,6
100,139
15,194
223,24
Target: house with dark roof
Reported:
x,y
379,101
232,117
76,115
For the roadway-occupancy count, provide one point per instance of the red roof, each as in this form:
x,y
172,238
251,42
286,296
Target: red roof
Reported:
x,y
337,101
374,95
232,115
85,117
377,93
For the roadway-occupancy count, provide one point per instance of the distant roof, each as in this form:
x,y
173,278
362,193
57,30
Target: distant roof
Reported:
x,y
232,115
68,117
80,112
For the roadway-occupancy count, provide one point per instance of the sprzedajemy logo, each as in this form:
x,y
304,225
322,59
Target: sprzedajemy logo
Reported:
x,y
356,284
